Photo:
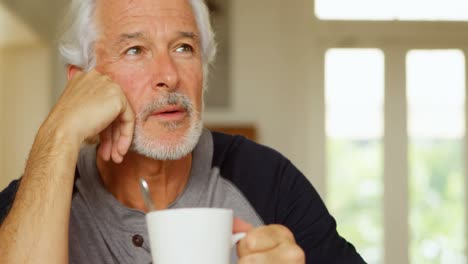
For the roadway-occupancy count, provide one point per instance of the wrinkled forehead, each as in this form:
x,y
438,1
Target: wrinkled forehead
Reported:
x,y
118,14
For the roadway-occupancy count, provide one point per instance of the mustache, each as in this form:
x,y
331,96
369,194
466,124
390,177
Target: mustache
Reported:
x,y
170,99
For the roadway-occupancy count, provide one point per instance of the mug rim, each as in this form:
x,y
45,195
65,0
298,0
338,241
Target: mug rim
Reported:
x,y
189,209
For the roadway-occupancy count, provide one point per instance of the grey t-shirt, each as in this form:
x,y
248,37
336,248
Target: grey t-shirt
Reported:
x,y
102,230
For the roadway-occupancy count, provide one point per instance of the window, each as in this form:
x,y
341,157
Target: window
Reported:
x,y
415,151
448,10
354,81
436,103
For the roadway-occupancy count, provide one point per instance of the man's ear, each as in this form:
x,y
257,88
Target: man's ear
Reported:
x,y
72,70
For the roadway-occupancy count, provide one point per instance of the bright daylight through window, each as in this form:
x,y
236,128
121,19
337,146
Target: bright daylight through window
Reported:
x,y
354,84
448,10
436,105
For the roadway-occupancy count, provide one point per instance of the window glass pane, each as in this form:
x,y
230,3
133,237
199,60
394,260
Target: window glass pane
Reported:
x,y
450,10
354,115
436,102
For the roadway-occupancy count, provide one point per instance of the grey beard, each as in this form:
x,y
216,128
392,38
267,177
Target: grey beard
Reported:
x,y
168,150
163,150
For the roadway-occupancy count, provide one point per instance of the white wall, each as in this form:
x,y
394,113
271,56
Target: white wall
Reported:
x,y
272,77
25,92
13,30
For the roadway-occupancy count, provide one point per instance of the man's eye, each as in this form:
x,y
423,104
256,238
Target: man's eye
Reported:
x,y
134,51
184,48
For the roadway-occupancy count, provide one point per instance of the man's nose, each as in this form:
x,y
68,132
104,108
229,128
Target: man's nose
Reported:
x,y
165,72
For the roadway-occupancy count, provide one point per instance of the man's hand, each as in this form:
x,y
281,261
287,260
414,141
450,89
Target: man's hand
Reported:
x,y
91,105
267,244
36,228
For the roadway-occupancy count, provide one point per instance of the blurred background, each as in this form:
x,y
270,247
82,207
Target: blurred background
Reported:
x,y
366,97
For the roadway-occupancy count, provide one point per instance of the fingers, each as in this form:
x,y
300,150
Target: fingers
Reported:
x,y
117,138
122,131
270,244
92,104
284,253
264,239
95,98
105,147
127,124
116,156
240,225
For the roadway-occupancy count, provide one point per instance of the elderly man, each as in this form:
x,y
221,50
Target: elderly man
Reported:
x,y
136,73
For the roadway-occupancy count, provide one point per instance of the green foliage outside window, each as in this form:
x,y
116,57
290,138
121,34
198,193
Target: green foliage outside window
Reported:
x,y
436,206
355,194
436,202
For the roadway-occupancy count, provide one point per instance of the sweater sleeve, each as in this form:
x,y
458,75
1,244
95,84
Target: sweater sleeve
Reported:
x,y
281,194
301,209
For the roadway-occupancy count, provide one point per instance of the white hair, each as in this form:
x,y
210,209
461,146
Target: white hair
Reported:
x,y
80,33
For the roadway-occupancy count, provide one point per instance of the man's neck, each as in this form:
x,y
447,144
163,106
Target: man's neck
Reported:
x,y
166,179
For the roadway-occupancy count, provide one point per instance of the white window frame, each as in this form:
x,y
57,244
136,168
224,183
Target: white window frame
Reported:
x,y
395,39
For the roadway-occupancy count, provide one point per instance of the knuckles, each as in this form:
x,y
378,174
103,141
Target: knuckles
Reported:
x,y
282,229
295,254
93,97
284,232
113,90
250,242
287,250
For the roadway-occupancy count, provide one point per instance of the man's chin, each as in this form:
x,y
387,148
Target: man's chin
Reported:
x,y
159,150
165,130
167,145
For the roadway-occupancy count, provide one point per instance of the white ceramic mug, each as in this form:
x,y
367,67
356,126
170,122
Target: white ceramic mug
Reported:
x,y
191,236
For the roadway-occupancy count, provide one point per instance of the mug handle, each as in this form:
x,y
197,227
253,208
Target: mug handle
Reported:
x,y
236,238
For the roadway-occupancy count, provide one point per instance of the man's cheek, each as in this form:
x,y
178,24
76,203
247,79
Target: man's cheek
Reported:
x,y
135,90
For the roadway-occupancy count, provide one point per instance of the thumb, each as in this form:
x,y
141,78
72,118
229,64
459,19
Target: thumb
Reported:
x,y
240,225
